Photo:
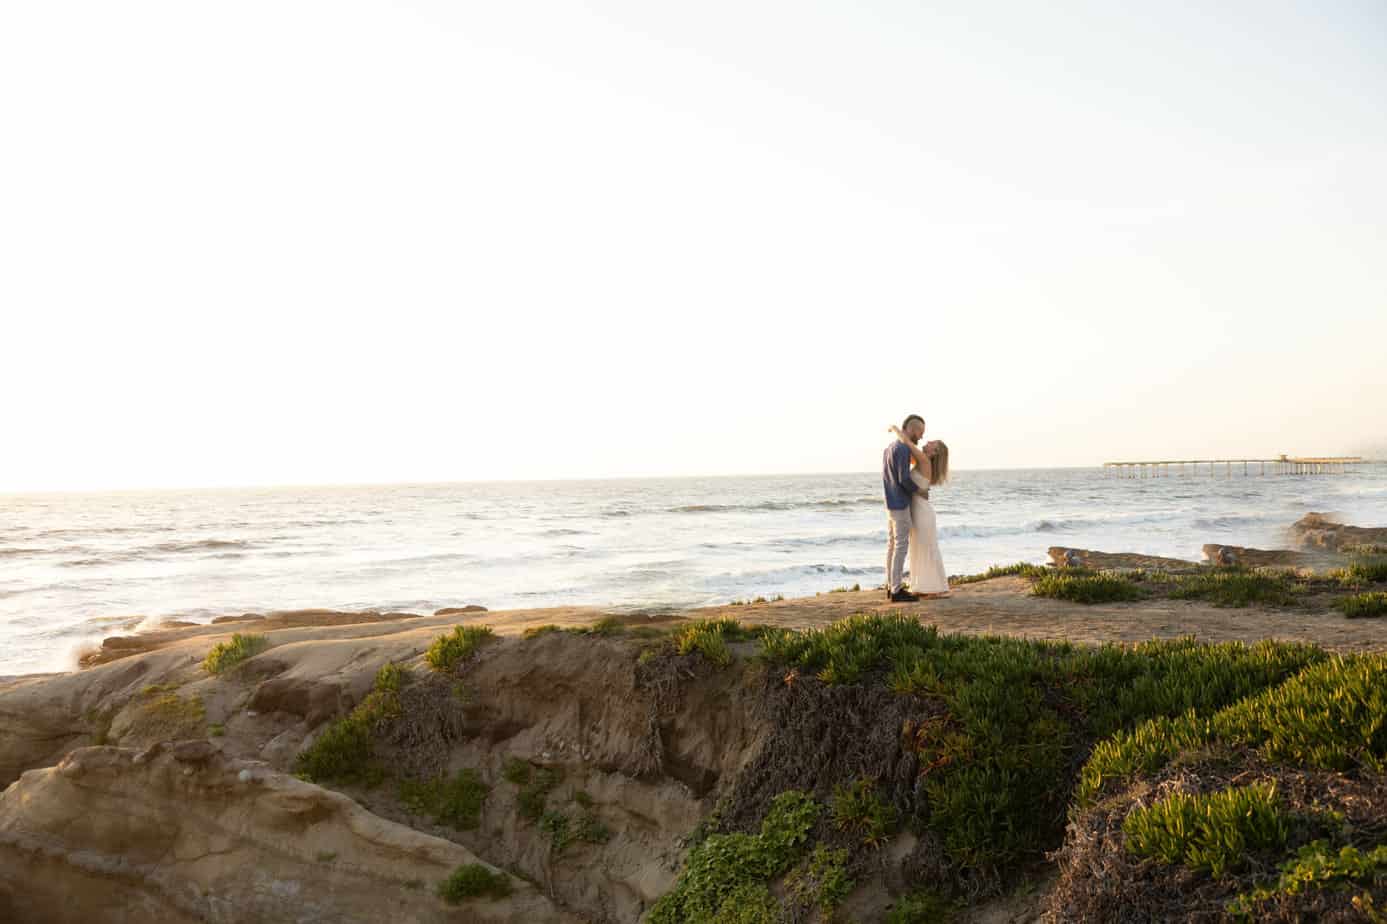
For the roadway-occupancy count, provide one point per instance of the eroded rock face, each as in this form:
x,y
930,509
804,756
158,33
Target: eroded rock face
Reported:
x,y
649,746
311,699
1319,531
180,833
44,717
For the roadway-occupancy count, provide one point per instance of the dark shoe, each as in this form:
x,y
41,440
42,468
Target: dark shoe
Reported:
x,y
904,596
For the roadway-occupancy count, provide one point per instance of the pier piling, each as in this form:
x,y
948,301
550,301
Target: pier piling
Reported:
x,y
1281,465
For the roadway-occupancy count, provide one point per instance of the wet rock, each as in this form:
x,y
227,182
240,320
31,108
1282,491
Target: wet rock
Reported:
x,y
120,642
1064,557
1229,555
1321,531
248,617
459,610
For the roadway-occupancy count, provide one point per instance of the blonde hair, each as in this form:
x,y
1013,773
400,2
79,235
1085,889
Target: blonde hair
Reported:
x,y
939,464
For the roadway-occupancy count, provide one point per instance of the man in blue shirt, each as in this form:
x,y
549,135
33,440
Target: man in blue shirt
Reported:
x,y
895,478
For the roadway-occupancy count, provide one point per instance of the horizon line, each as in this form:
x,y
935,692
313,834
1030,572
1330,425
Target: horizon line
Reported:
x,y
286,485
251,486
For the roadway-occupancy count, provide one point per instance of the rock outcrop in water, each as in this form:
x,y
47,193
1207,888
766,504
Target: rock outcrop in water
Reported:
x,y
1063,557
1319,531
1242,557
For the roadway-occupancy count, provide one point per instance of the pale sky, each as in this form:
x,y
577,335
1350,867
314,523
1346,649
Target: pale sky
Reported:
x,y
319,242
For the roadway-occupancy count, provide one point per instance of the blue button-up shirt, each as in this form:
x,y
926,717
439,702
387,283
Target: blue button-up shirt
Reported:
x,y
895,476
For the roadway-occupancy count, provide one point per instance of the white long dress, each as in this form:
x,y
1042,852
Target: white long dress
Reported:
x,y
926,564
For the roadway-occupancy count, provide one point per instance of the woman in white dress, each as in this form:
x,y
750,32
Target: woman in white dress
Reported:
x,y
927,575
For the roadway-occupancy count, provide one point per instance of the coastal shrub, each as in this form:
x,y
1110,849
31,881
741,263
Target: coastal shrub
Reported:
x,y
473,880
456,646
1316,866
226,655
564,831
1371,570
1208,832
709,637
1332,716
845,650
1020,568
606,626
728,872
1087,588
995,763
531,799
341,752
1333,579
345,750
1237,587
590,829
390,679
167,715
1329,716
858,809
536,783
517,771
456,801
920,907
846,590
1119,686
555,824
821,881
1139,752
1363,606
537,631
705,639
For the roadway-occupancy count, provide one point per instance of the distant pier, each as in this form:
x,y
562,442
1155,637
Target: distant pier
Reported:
x,y
1281,465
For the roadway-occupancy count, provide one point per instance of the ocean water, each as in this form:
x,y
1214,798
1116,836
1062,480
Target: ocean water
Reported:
x,y
76,567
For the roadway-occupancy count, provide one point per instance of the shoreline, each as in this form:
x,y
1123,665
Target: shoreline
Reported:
x,y
73,575
1001,605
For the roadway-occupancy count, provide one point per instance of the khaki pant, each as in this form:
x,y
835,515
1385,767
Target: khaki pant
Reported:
x,y
897,547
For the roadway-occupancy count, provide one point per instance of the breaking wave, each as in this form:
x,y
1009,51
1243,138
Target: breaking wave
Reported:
x,y
826,504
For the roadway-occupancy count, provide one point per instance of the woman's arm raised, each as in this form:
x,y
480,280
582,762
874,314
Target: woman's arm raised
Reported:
x,y
916,452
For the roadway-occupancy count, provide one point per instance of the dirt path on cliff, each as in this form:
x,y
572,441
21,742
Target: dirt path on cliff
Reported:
x,y
1001,606
1004,606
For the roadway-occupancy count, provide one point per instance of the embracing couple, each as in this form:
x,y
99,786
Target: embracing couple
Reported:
x,y
907,472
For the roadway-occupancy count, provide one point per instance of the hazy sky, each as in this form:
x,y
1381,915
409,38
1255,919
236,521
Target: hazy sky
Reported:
x,y
290,242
